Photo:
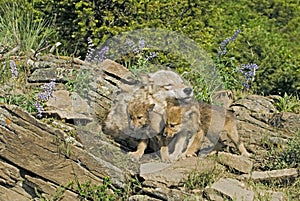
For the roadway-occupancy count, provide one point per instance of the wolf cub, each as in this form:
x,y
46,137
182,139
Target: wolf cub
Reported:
x,y
146,109
182,131
140,114
213,121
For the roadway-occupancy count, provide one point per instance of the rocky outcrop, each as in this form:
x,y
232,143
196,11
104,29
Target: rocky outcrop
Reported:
x,y
34,154
259,121
38,157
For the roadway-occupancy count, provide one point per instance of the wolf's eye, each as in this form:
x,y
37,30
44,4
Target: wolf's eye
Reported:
x,y
172,125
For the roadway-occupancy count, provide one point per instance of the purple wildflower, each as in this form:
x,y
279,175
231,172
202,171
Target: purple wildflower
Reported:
x,y
90,50
224,43
152,55
141,44
101,55
130,43
132,46
248,71
39,108
235,35
43,96
47,92
13,69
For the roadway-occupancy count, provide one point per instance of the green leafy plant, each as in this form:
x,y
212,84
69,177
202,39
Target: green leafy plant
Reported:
x,y
234,76
94,192
229,74
7,72
202,88
287,103
133,185
138,59
88,191
81,83
57,196
63,146
141,66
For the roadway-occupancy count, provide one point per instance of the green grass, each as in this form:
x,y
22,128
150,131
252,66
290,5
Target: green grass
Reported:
x,y
139,67
24,101
287,156
290,188
18,27
280,157
5,73
96,192
199,180
85,191
58,195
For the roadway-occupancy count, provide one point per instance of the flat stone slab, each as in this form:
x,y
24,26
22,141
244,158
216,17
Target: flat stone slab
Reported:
x,y
62,114
237,162
142,198
273,174
68,106
151,167
232,188
271,195
69,101
31,147
47,74
157,174
116,70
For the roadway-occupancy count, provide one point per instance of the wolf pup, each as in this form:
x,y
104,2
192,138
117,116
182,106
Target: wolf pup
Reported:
x,y
139,121
182,132
213,121
146,109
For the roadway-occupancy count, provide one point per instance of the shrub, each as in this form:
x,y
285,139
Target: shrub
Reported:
x,y
269,38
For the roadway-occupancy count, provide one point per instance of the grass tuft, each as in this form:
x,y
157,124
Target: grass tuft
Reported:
x,y
288,103
18,27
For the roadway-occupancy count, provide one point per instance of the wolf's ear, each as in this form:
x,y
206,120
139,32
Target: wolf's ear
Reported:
x,y
230,95
151,107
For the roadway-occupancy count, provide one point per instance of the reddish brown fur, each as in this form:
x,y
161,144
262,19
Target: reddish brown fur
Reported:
x,y
174,125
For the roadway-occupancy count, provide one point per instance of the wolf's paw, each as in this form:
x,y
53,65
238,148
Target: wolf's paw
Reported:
x,y
166,160
190,154
135,155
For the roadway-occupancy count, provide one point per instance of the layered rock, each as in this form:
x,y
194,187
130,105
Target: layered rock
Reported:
x,y
41,155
